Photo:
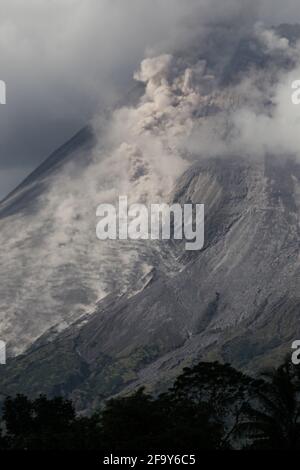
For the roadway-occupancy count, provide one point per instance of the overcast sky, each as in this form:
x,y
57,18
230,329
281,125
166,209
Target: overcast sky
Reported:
x,y
63,59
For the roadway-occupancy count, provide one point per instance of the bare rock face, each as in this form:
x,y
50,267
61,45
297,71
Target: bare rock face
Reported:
x,y
53,268
237,300
91,319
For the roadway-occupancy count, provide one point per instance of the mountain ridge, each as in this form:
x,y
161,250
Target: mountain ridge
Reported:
x,y
227,303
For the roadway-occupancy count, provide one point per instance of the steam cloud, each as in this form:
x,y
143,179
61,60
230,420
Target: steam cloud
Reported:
x,y
186,110
62,59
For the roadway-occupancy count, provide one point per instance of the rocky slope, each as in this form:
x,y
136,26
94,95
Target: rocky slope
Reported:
x,y
237,300
91,319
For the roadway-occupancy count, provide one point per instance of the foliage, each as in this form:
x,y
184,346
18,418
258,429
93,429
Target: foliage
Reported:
x,y
210,406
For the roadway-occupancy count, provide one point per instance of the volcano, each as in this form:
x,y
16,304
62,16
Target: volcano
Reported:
x,y
89,319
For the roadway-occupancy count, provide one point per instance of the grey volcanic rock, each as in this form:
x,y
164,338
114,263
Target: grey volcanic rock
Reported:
x,y
23,198
53,268
237,300
94,319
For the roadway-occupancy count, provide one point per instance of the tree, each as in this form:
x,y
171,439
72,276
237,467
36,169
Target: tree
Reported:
x,y
210,406
223,390
38,424
273,421
141,422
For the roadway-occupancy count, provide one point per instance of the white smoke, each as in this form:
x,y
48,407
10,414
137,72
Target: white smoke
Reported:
x,y
61,58
140,154
183,114
270,40
142,149
257,116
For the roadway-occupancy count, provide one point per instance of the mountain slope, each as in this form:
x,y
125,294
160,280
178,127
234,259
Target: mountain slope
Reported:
x,y
95,318
237,300
53,268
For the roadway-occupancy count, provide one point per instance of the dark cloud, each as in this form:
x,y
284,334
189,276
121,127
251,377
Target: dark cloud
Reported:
x,y
63,59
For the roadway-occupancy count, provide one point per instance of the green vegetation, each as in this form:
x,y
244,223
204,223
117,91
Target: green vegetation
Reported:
x,y
210,406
